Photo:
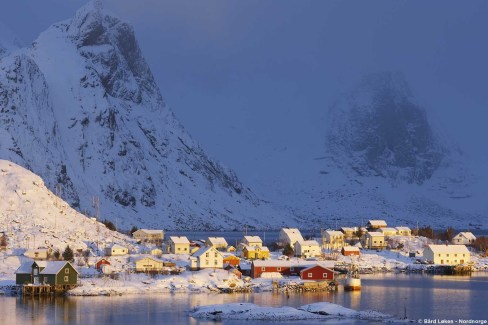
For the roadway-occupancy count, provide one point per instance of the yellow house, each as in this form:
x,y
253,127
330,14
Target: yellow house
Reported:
x,y
179,245
149,264
255,252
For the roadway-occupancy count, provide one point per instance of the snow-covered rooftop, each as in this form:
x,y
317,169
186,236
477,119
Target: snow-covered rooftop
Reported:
x,y
375,234
251,248
388,230
25,268
152,231
204,250
466,234
440,249
333,233
377,223
350,249
295,263
217,240
308,242
253,239
53,267
402,228
179,239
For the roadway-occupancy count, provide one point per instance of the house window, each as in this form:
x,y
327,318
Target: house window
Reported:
x,y
186,249
263,268
66,271
447,255
179,248
216,255
279,268
215,262
207,255
206,262
292,269
66,278
455,255
324,275
310,275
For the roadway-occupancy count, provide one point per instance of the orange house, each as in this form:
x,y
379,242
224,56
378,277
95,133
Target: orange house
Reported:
x,y
232,260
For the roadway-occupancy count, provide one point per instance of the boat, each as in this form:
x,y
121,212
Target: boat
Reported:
x,y
353,282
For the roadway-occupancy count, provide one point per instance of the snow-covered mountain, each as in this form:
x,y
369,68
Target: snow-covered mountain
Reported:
x,y
385,158
8,41
32,216
80,108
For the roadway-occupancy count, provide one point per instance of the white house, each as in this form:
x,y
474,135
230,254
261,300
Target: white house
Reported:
x,y
464,238
116,250
403,231
388,231
179,245
374,240
216,242
332,239
447,254
289,236
206,257
307,248
252,241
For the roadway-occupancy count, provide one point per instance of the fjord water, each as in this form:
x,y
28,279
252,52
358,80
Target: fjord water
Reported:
x,y
422,296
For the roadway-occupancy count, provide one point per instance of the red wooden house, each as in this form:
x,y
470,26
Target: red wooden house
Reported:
x,y
232,260
317,273
100,263
286,268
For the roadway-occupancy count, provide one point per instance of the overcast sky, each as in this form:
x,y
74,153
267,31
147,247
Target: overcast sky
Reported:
x,y
252,80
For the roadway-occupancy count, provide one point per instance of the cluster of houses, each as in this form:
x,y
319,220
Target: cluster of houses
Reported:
x,y
215,253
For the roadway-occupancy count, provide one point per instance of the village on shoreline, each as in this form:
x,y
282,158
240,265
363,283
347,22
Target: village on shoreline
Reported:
x,y
151,263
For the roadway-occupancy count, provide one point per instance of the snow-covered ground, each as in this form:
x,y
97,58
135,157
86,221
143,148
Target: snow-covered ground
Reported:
x,y
321,310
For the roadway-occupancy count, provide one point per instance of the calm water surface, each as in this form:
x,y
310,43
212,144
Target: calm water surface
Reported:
x,y
423,296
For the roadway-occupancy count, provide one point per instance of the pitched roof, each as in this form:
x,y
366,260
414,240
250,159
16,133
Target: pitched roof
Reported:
x,y
116,246
251,248
53,267
460,249
466,234
253,239
375,234
334,232
377,222
148,257
317,265
179,240
402,228
217,240
204,250
387,229
25,268
292,233
308,242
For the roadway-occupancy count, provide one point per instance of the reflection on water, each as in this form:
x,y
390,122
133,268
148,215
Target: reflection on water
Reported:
x,y
422,296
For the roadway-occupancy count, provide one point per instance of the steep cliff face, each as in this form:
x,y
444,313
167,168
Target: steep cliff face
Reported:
x,y
379,130
81,109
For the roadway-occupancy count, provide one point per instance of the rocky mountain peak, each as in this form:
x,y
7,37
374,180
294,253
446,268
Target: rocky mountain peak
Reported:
x,y
380,130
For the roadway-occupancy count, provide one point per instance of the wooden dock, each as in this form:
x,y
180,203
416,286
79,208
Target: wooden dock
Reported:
x,y
45,289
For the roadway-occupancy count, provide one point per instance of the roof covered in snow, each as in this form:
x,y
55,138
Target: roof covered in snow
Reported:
x,y
152,231
402,228
253,239
375,234
217,241
204,250
296,263
308,242
334,232
24,268
179,240
440,249
53,267
377,223
388,230
466,234
292,233
350,249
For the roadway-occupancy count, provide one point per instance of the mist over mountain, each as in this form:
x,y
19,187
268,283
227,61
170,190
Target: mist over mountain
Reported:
x,y
81,109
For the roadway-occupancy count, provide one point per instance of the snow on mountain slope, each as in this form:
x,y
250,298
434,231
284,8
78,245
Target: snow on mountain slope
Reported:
x,y
81,109
385,159
8,41
32,216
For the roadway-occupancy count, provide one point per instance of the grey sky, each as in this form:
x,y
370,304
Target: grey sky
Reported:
x,y
252,80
